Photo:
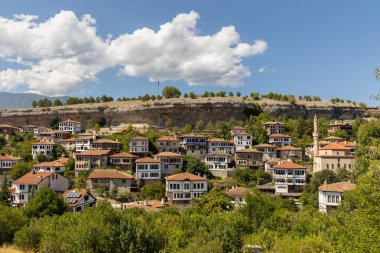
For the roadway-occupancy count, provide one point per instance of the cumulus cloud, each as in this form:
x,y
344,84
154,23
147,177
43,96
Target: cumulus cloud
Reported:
x,y
65,51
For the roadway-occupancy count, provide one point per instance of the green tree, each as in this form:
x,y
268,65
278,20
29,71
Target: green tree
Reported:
x,y
216,200
45,202
11,220
152,191
171,92
192,95
57,102
34,104
200,125
4,192
238,94
19,169
194,165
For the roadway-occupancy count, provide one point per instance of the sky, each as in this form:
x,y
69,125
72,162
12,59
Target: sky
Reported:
x,y
122,48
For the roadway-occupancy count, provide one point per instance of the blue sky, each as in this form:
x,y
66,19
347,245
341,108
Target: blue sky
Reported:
x,y
325,48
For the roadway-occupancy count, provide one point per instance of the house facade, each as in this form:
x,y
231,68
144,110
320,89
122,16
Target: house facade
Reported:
x,y
170,162
330,195
83,143
148,169
24,187
79,200
280,140
7,163
273,127
242,141
289,178
168,144
71,126
290,152
57,166
8,129
109,179
340,125
90,159
334,157
44,148
218,163
194,144
220,145
124,161
269,150
183,187
249,158
139,146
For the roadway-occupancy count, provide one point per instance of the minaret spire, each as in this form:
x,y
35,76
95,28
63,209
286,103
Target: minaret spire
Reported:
x,y
316,136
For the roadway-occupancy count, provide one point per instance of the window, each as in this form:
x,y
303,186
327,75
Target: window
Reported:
x,y
22,187
186,186
329,198
22,197
123,181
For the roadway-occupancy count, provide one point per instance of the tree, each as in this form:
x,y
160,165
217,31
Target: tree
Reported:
x,y
192,95
230,94
185,95
171,92
152,191
223,129
215,201
34,103
19,169
57,102
238,94
45,202
187,128
11,220
5,196
194,165
200,125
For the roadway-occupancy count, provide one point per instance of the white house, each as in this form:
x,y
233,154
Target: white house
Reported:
x,y
218,163
269,150
238,194
273,127
54,166
83,143
220,145
289,178
238,130
243,141
43,148
139,146
168,144
330,195
71,126
7,162
170,162
148,169
79,200
280,140
194,144
183,187
25,186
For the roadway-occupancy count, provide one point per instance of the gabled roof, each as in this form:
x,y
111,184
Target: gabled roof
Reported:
x,y
332,138
10,158
168,154
337,187
138,138
239,191
185,176
193,136
69,140
123,155
216,153
238,128
44,143
109,174
94,153
243,134
33,178
347,143
168,138
279,136
289,165
7,126
289,148
147,160
74,199
29,126
57,163
70,121
265,145
100,141
248,151
334,146
273,123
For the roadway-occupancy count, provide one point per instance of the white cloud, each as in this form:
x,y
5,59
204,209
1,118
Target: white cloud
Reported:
x,y
64,51
262,69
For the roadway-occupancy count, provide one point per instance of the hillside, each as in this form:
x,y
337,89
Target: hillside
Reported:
x,y
180,111
22,100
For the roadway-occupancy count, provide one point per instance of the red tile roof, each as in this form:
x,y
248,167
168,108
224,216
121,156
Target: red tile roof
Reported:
x,y
109,174
106,141
10,158
123,155
44,143
216,153
138,138
7,126
334,146
33,178
56,163
337,187
289,165
69,140
279,136
347,143
239,191
94,153
168,154
70,121
265,145
248,151
289,148
273,123
185,176
147,160
168,138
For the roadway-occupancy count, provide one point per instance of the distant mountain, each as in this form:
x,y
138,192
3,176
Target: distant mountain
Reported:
x,y
23,100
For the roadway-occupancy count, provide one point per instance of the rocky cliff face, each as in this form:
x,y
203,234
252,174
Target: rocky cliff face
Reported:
x,y
179,111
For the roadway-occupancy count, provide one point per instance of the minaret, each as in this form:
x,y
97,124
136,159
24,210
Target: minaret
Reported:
x,y
316,136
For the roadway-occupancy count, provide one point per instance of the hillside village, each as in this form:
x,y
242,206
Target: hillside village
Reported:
x,y
308,164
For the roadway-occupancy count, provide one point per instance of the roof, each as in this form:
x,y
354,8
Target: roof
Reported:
x,y
7,126
168,154
337,187
74,199
216,153
105,141
248,151
273,123
193,136
279,135
239,191
93,153
243,134
167,138
185,176
33,178
70,121
147,160
44,143
109,174
9,158
238,128
289,148
56,163
69,140
347,143
334,146
332,138
123,155
265,145
138,138
218,140
289,165
59,132
29,126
